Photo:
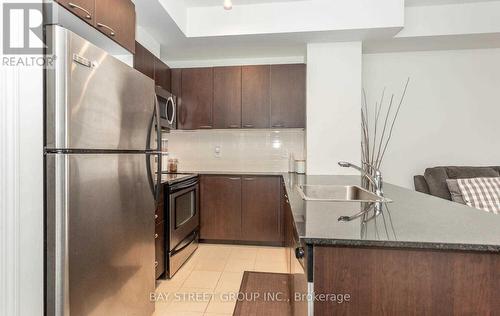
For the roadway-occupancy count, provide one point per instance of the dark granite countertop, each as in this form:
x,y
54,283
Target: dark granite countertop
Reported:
x,y
412,220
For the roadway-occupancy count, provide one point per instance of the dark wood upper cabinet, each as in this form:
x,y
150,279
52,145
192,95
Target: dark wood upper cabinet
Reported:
x,y
220,208
288,95
227,97
195,110
262,96
175,82
255,98
116,19
162,74
144,61
152,66
84,9
261,217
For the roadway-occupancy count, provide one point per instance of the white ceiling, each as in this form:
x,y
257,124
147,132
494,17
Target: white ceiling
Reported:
x,y
414,3
211,3
177,47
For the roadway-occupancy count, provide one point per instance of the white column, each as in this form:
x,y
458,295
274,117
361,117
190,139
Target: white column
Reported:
x,y
21,187
333,106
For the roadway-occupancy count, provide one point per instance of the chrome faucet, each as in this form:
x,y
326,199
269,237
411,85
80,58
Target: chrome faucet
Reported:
x,y
375,180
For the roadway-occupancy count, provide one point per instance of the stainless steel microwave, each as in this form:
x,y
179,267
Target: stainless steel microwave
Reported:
x,y
167,103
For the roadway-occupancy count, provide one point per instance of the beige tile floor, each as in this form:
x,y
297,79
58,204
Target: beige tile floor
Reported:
x,y
203,286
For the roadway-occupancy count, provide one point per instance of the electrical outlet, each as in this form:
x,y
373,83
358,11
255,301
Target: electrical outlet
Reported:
x,y
217,151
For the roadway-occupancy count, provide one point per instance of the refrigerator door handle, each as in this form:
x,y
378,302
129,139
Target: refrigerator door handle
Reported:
x,y
149,153
159,149
155,122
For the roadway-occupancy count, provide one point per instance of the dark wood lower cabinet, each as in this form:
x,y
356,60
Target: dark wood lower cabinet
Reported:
x,y
382,281
241,208
159,249
260,209
220,208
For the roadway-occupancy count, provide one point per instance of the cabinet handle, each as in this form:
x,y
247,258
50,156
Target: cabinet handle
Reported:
x,y
87,12
234,179
156,236
156,216
233,126
278,125
299,252
156,264
248,126
205,126
113,33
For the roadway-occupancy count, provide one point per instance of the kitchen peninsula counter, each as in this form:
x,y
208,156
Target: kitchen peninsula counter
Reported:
x,y
412,220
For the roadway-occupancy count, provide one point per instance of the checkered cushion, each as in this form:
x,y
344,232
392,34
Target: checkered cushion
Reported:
x,y
481,193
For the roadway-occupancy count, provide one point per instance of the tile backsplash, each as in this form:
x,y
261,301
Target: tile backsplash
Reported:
x,y
235,150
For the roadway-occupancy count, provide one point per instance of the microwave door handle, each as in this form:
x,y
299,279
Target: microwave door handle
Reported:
x,y
170,102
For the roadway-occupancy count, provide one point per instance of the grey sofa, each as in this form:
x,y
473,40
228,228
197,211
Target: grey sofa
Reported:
x,y
434,179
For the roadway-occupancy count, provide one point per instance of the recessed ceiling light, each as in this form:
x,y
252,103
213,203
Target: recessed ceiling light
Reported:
x,y
228,4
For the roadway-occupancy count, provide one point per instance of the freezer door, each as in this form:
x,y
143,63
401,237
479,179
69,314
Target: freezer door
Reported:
x,y
95,101
100,235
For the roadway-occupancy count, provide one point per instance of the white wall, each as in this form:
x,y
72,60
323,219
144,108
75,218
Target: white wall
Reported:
x,y
148,41
451,112
452,19
333,106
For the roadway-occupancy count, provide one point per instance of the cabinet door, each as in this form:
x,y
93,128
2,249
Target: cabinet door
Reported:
x,y
175,82
288,227
116,19
162,74
84,9
227,97
159,249
220,208
288,95
144,60
255,99
261,215
197,98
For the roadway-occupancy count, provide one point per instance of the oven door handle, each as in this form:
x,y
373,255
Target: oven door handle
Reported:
x,y
185,243
183,185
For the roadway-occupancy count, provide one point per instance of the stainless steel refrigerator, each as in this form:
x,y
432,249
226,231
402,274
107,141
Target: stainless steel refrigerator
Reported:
x,y
101,185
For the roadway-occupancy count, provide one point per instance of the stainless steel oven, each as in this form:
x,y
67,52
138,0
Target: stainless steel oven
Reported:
x,y
183,222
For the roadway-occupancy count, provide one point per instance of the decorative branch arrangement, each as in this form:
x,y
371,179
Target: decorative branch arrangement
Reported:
x,y
374,147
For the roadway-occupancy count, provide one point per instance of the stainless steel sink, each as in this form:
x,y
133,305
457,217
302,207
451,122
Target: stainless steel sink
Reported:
x,y
338,193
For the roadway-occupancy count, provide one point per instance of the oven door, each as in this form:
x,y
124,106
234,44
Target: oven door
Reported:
x,y
184,211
